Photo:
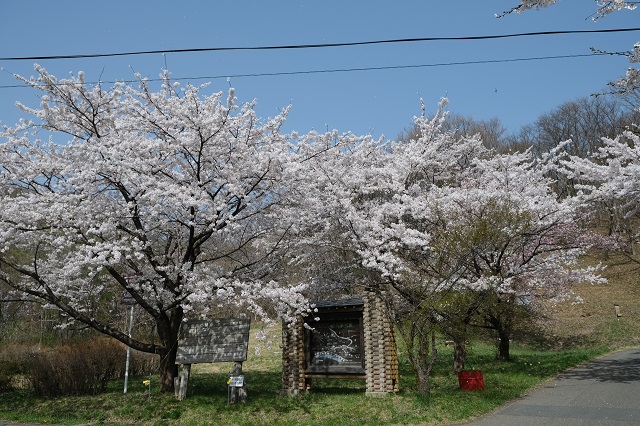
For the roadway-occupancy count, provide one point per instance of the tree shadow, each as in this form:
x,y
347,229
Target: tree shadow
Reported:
x,y
610,369
337,389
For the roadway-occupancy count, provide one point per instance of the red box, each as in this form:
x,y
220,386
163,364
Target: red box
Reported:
x,y
471,380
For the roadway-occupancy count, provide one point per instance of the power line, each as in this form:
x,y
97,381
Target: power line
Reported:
x,y
322,45
337,70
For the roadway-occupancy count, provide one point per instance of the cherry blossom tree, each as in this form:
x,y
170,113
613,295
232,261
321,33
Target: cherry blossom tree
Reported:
x,y
609,181
177,198
604,7
440,213
626,86
519,245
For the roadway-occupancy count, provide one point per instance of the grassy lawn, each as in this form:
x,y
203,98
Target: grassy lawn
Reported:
x,y
331,401
578,333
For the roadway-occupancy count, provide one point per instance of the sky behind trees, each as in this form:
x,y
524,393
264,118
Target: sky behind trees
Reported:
x,y
332,87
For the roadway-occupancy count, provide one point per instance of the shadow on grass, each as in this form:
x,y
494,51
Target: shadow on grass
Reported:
x,y
263,390
338,386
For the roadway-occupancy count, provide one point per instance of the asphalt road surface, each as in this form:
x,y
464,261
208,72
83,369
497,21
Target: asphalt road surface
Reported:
x,y
603,392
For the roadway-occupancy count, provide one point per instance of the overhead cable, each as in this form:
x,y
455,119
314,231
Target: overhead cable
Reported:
x,y
313,46
336,70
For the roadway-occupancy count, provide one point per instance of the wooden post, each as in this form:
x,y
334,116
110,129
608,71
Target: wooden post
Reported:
x,y
238,393
293,358
381,357
212,340
184,380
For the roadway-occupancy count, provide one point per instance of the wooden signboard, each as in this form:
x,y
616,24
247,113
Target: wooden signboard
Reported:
x,y
215,340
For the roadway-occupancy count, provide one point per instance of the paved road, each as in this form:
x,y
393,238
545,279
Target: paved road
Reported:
x,y
604,392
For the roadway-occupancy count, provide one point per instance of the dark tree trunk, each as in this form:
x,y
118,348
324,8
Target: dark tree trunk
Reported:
x,y
422,353
459,354
503,345
503,325
168,329
168,369
423,382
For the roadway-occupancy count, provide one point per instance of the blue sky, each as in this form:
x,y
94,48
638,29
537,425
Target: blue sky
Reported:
x,y
377,102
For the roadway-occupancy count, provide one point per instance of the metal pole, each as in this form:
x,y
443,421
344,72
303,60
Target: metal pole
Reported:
x,y
126,368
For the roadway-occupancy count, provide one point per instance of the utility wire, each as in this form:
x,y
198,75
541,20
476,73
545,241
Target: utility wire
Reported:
x,y
336,70
313,46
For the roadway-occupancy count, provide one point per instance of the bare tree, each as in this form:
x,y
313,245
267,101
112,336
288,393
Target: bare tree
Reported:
x,y
585,121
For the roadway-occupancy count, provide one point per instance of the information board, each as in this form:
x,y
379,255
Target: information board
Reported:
x,y
214,340
335,345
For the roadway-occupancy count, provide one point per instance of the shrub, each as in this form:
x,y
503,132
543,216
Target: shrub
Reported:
x,y
83,368
141,363
13,366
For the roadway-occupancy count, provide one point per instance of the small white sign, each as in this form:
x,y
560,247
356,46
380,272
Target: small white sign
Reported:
x,y
236,381
127,298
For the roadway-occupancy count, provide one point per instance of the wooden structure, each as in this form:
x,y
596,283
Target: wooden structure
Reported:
x,y
352,339
215,340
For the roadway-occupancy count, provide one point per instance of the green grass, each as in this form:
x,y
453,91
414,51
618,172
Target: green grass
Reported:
x,y
589,330
330,402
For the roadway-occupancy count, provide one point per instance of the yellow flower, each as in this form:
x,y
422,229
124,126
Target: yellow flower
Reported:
x,y
229,381
146,382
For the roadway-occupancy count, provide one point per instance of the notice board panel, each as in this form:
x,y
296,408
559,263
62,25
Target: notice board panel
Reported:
x,y
213,340
335,344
